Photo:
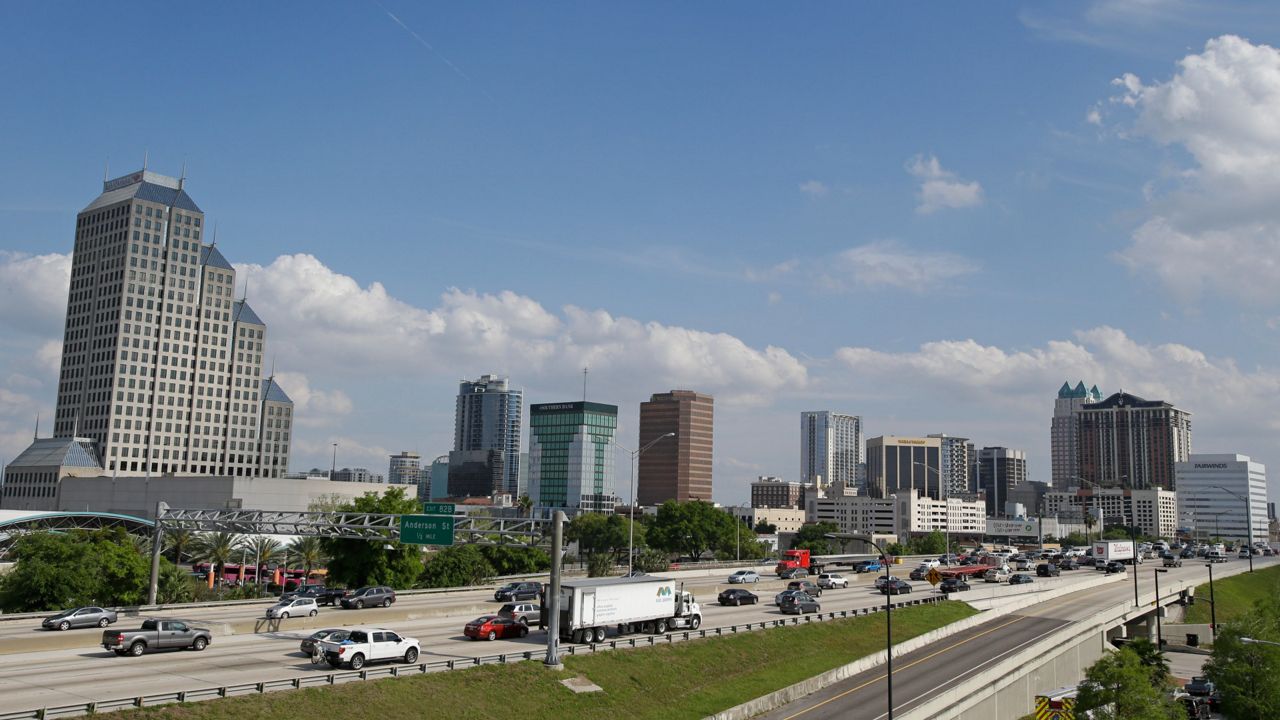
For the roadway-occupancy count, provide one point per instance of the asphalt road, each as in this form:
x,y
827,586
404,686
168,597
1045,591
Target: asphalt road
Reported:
x,y
921,675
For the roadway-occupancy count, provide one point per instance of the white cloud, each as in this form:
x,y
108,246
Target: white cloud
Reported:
x,y
33,291
1218,227
941,188
1093,116
887,264
313,406
814,188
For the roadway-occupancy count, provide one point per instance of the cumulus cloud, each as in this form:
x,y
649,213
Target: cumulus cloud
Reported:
x,y
941,188
888,264
313,406
814,188
1217,227
33,291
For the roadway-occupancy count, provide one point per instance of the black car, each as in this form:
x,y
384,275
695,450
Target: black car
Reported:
x,y
518,591
799,603
1068,564
1021,579
895,586
1187,553
738,596
1113,567
310,642
951,585
1200,687
370,596
1047,570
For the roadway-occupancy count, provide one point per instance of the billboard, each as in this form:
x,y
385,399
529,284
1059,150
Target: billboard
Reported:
x,y
1017,528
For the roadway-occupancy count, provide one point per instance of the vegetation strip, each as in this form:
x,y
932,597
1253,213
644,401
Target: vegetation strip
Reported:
x,y
685,680
1235,596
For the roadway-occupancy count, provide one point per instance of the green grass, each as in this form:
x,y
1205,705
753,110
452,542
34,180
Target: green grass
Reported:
x,y
684,680
1235,595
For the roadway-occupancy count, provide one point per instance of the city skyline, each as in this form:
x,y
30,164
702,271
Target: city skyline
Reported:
x,y
677,209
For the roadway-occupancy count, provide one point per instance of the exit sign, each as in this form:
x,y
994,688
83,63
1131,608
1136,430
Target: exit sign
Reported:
x,y
426,529
437,508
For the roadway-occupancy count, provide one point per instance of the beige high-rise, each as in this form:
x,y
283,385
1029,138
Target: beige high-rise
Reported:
x,y
161,365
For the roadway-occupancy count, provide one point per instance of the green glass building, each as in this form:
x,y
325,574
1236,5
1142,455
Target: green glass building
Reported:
x,y
571,455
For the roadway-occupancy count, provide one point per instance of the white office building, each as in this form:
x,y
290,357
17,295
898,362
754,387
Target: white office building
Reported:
x,y
831,448
1222,495
901,514
1154,511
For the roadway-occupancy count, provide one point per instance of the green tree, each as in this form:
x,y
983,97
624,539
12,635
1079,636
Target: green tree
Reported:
x,y
57,570
308,552
179,544
525,503
456,566
812,538
376,562
263,550
217,549
651,560
174,584
764,528
507,560
600,565
935,543
1119,687
1151,658
691,528
600,533
1245,673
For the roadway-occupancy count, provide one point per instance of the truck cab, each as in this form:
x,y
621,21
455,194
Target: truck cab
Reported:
x,y
791,560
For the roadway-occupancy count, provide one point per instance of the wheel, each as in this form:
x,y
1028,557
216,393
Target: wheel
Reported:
x,y
737,602
660,627
386,603
359,604
493,635
313,613
411,656
103,623
64,625
199,644
755,601
695,623
137,648
357,661
284,616
600,635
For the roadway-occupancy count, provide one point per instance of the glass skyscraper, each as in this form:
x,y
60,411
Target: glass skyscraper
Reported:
x,y
486,438
571,455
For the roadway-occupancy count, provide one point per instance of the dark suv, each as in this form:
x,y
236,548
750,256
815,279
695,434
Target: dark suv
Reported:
x,y
512,592
799,603
1047,570
806,587
371,596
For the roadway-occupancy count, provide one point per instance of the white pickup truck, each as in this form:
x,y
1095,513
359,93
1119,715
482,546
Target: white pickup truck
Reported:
x,y
362,645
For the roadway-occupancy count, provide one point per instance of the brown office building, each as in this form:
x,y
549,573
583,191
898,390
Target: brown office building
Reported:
x,y
1132,443
677,468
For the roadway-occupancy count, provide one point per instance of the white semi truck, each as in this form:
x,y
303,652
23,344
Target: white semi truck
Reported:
x,y
639,604
1106,551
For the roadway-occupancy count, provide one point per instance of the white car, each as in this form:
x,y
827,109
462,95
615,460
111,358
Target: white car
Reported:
x,y
832,580
744,576
997,575
367,644
297,607
930,563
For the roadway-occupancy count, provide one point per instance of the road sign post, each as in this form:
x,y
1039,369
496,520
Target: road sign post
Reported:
x,y
426,529
933,576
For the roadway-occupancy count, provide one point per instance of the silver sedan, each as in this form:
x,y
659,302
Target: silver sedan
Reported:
x,y
91,616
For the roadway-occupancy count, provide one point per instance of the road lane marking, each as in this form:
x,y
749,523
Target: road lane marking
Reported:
x,y
904,667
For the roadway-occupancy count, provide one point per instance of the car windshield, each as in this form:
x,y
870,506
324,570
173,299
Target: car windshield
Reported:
x,y
65,613
483,619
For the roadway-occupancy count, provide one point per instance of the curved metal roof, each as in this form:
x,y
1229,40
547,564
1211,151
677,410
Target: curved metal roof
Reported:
x,y
9,518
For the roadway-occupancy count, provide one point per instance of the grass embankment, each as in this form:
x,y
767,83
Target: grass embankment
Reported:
x,y
1235,595
684,680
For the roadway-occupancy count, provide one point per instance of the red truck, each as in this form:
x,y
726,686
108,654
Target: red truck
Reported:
x,y
978,570
792,559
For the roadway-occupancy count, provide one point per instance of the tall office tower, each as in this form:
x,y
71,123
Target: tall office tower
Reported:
x,y
1064,432
898,464
955,464
1128,442
405,469
277,429
161,366
1223,495
676,468
571,455
997,470
831,448
486,439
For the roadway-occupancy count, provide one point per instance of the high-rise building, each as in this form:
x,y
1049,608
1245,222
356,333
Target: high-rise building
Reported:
x,y
486,433
357,475
405,469
277,429
677,468
831,448
997,470
439,488
161,365
571,455
1126,441
897,464
1064,432
1223,495
33,480
774,492
955,465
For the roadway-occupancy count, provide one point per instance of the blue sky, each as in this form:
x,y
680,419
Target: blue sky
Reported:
x,y
928,215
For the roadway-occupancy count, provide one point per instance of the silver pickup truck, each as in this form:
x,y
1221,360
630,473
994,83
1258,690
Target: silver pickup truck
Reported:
x,y
156,635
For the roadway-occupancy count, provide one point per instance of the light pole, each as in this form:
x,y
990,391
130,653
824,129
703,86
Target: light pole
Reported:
x,y
946,501
1248,518
1213,608
1255,641
1159,630
1133,540
334,468
631,512
888,625
1093,495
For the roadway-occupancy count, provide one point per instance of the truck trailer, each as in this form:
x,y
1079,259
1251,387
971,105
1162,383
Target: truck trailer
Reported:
x,y
638,604
1105,551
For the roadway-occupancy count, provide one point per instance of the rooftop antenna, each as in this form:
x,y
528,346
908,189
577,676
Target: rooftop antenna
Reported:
x,y
37,433
106,169
75,427
273,368
584,384
183,178
214,242
146,155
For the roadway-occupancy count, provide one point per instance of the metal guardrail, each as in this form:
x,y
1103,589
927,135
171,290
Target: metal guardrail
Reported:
x,y
338,678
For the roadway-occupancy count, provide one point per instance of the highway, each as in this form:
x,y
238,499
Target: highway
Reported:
x,y
925,673
39,677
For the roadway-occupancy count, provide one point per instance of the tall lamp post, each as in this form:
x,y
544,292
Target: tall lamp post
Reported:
x,y
1159,630
1213,608
1133,539
1093,495
888,625
946,499
1248,518
631,514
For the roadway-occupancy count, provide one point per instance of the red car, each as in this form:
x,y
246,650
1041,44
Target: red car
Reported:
x,y
492,627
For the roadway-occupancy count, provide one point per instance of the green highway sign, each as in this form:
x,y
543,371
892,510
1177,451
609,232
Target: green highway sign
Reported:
x,y
437,508
426,529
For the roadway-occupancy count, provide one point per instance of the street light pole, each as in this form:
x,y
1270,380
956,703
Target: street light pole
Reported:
x,y
1213,608
1248,518
1255,641
888,626
631,512
1159,630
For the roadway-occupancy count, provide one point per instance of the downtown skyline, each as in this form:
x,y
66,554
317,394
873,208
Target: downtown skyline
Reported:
x,y
835,223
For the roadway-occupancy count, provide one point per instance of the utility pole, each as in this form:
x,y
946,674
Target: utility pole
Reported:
x,y
552,603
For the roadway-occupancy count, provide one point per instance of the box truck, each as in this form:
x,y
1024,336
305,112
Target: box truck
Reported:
x,y
639,604
1106,551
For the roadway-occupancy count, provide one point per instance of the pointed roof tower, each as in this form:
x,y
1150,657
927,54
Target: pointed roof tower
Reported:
x,y
1065,390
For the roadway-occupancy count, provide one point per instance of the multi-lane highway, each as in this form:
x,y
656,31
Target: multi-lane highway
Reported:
x,y
37,677
926,673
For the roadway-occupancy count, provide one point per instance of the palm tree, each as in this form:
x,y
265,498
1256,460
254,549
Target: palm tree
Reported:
x,y
525,503
217,549
265,549
180,542
309,553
